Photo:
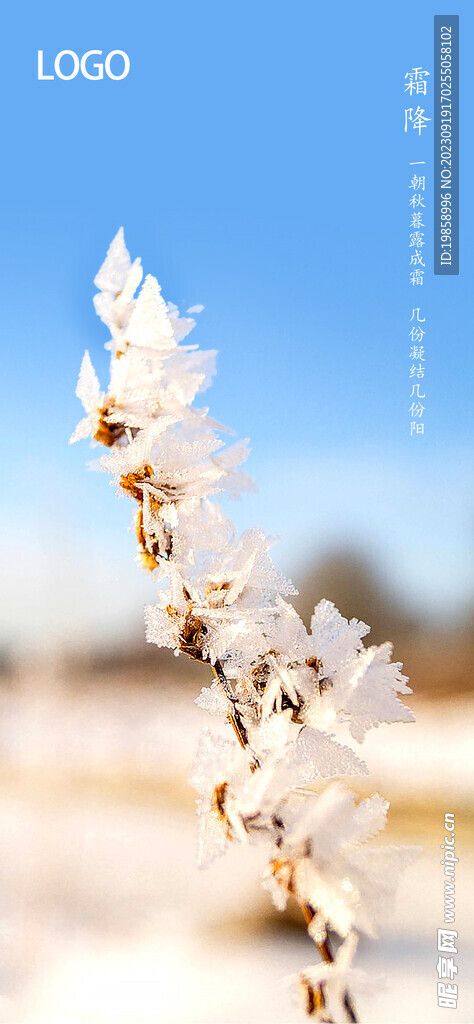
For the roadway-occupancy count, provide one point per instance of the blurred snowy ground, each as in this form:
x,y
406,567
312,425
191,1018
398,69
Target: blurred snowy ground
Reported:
x,y
104,917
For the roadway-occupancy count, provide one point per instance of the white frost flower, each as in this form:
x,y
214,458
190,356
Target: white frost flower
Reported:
x,y
324,986
221,600
118,280
333,870
89,393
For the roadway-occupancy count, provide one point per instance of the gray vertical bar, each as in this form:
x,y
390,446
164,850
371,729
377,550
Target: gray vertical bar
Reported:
x,y
446,144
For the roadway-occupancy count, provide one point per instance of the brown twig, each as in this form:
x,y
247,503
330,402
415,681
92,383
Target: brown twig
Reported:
x,y
308,911
191,643
326,954
191,647
233,716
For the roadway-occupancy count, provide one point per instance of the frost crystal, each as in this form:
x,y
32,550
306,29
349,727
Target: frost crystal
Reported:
x,y
222,601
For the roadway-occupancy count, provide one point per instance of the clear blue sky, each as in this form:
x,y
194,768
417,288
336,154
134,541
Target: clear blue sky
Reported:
x,y
256,158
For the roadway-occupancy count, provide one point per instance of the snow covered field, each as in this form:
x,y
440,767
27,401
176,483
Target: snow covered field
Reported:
x,y
104,917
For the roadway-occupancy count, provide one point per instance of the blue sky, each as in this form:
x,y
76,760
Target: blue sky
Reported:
x,y
256,158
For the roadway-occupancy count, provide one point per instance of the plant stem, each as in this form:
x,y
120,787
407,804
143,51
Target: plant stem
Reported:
x,y
234,715
308,911
326,954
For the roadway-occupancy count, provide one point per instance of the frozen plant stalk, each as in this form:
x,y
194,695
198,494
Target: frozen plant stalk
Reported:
x,y
221,601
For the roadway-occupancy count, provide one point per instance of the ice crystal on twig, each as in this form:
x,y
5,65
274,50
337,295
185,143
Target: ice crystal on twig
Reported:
x,y
221,600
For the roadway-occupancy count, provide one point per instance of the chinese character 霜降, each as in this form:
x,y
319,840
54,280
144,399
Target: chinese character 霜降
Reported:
x,y
416,81
416,118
